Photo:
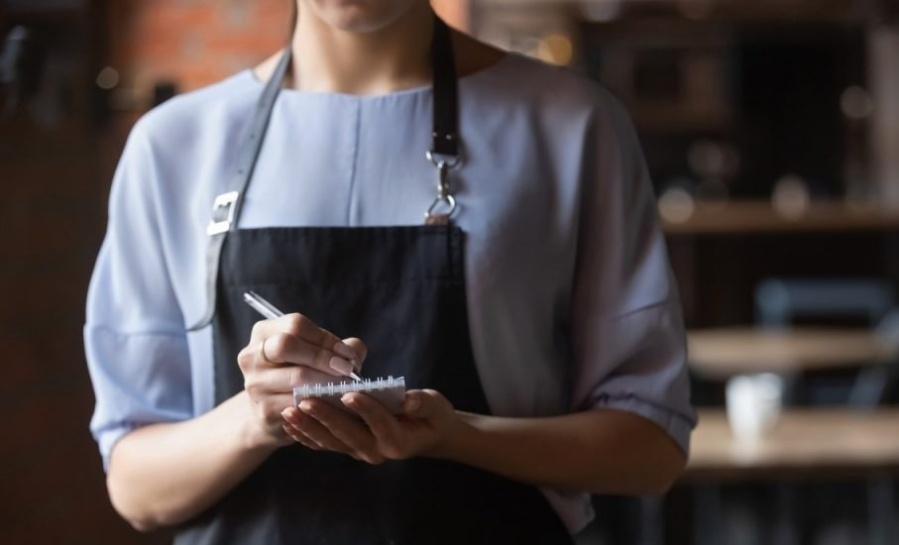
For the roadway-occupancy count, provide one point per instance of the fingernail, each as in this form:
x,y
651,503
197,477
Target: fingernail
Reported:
x,y
413,403
344,351
306,407
347,399
341,365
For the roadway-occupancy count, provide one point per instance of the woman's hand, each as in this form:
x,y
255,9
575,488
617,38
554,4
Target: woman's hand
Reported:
x,y
427,427
284,353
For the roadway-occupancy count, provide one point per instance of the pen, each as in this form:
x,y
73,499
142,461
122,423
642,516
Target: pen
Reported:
x,y
261,306
270,311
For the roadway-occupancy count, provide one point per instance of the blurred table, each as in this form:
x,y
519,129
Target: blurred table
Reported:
x,y
720,353
805,444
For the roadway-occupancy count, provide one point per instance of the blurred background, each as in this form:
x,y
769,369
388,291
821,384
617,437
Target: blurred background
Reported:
x,y
771,128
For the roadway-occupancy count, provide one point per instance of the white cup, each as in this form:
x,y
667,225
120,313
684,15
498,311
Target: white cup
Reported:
x,y
753,403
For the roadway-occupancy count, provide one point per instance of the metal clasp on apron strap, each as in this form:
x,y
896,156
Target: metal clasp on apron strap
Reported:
x,y
222,213
443,207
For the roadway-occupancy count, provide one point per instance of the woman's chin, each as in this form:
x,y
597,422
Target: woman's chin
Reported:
x,y
362,16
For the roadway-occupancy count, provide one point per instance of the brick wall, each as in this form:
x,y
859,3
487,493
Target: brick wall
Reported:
x,y
192,43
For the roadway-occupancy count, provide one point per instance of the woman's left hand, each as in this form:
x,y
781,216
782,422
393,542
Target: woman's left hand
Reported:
x,y
428,425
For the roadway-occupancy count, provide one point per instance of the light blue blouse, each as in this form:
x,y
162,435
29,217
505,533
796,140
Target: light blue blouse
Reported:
x,y
572,305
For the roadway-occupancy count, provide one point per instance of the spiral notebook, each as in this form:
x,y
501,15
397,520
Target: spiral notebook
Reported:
x,y
389,391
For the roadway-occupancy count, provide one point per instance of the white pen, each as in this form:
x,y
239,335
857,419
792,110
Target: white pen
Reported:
x,y
270,311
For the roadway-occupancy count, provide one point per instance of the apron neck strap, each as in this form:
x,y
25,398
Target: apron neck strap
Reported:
x,y
446,94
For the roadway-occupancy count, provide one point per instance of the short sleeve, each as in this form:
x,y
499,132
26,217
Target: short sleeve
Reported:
x,y
627,327
134,334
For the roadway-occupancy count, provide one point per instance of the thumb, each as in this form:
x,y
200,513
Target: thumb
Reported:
x,y
422,403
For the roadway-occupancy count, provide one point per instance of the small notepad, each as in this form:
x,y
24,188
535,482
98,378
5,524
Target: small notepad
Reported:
x,y
389,391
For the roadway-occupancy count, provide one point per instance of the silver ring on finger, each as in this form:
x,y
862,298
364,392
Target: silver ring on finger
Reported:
x,y
262,353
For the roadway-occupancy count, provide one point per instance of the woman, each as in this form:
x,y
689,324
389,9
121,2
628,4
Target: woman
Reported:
x,y
530,309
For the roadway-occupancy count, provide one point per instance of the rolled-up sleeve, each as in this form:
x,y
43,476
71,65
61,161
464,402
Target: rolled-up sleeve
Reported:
x,y
627,327
134,335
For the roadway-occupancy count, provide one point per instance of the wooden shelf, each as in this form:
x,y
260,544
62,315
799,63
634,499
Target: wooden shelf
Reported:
x,y
721,353
747,217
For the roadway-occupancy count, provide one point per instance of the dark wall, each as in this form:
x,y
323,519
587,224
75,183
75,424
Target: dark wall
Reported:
x,y
56,157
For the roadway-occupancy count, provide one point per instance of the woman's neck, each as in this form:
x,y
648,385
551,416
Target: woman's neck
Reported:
x,y
328,59
379,63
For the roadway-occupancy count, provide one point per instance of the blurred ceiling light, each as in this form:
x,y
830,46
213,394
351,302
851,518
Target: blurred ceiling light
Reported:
x,y
856,103
108,78
556,49
600,10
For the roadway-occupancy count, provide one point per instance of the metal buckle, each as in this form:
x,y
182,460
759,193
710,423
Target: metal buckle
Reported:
x,y
445,199
222,213
438,159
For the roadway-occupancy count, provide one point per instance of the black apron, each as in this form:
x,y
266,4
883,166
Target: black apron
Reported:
x,y
401,290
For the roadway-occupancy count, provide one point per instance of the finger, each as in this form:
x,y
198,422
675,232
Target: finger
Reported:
x,y
257,355
283,348
302,327
298,425
289,414
381,423
347,429
425,404
298,437
315,431
264,355
282,380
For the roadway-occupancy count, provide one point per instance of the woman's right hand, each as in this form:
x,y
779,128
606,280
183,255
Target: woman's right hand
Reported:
x,y
284,353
